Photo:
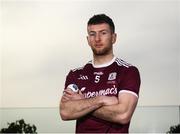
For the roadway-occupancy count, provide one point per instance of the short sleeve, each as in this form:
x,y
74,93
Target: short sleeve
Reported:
x,y
69,79
130,81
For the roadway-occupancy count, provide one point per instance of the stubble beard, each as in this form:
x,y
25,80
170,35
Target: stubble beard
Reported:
x,y
102,52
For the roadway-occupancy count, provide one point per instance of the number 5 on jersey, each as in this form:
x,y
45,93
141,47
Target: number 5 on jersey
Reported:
x,y
97,79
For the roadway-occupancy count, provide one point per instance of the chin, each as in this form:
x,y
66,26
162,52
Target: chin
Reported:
x,y
99,53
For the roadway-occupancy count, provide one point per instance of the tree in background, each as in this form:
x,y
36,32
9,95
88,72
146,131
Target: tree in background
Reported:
x,y
19,126
174,129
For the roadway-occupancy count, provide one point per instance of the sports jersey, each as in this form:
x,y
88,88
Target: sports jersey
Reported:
x,y
109,79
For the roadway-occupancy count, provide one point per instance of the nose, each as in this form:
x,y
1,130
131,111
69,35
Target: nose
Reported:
x,y
97,38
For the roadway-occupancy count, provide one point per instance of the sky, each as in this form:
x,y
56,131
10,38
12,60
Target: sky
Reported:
x,y
43,40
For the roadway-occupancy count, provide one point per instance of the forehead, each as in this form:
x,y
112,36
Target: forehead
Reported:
x,y
98,27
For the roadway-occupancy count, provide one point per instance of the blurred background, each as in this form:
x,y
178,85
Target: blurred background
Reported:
x,y
41,40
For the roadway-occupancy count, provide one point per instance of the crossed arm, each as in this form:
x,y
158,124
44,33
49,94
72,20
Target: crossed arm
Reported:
x,y
113,109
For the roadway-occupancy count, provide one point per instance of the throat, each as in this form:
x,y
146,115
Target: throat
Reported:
x,y
101,61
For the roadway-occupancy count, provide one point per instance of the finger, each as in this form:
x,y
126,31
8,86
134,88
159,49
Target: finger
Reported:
x,y
80,92
64,98
68,95
68,91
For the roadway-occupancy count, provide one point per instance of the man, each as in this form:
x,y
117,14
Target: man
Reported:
x,y
107,87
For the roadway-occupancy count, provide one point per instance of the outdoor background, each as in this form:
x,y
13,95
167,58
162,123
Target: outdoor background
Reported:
x,y
41,40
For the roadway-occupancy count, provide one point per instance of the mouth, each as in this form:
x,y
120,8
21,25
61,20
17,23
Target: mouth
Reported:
x,y
98,45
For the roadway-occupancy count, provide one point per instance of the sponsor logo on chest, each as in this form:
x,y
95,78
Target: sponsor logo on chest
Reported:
x,y
105,92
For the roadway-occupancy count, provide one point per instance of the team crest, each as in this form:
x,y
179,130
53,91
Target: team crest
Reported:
x,y
112,76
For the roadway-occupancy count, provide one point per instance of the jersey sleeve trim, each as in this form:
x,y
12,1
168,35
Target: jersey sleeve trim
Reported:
x,y
130,92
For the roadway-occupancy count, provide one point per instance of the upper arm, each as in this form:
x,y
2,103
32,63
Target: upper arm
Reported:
x,y
129,91
127,105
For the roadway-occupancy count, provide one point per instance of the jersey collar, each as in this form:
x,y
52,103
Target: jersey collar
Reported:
x,y
105,64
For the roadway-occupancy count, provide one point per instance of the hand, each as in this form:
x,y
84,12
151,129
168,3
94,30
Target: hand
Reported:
x,y
109,100
70,95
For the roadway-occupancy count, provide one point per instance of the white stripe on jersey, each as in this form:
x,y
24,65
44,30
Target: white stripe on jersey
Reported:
x,y
89,62
122,63
127,91
79,68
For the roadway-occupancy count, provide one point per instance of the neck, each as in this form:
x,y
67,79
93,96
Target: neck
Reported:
x,y
102,59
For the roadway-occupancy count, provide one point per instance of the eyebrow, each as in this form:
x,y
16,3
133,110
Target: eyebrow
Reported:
x,y
104,30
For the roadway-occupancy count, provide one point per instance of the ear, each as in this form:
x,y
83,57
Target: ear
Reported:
x,y
114,36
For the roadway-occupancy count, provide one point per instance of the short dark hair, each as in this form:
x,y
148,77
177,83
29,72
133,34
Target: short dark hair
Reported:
x,y
102,18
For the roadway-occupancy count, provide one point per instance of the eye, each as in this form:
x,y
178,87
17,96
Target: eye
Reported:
x,y
92,34
104,32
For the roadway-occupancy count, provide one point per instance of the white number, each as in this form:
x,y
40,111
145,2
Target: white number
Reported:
x,y
97,78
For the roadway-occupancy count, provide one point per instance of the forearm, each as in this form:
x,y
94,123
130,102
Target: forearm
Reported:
x,y
119,113
74,109
114,113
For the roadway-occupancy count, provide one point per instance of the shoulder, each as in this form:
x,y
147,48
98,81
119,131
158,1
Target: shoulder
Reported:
x,y
81,68
126,66
122,63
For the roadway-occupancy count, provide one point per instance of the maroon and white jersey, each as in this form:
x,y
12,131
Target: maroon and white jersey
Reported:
x,y
109,79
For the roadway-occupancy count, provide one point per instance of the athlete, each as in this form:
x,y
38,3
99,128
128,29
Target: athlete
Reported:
x,y
103,94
